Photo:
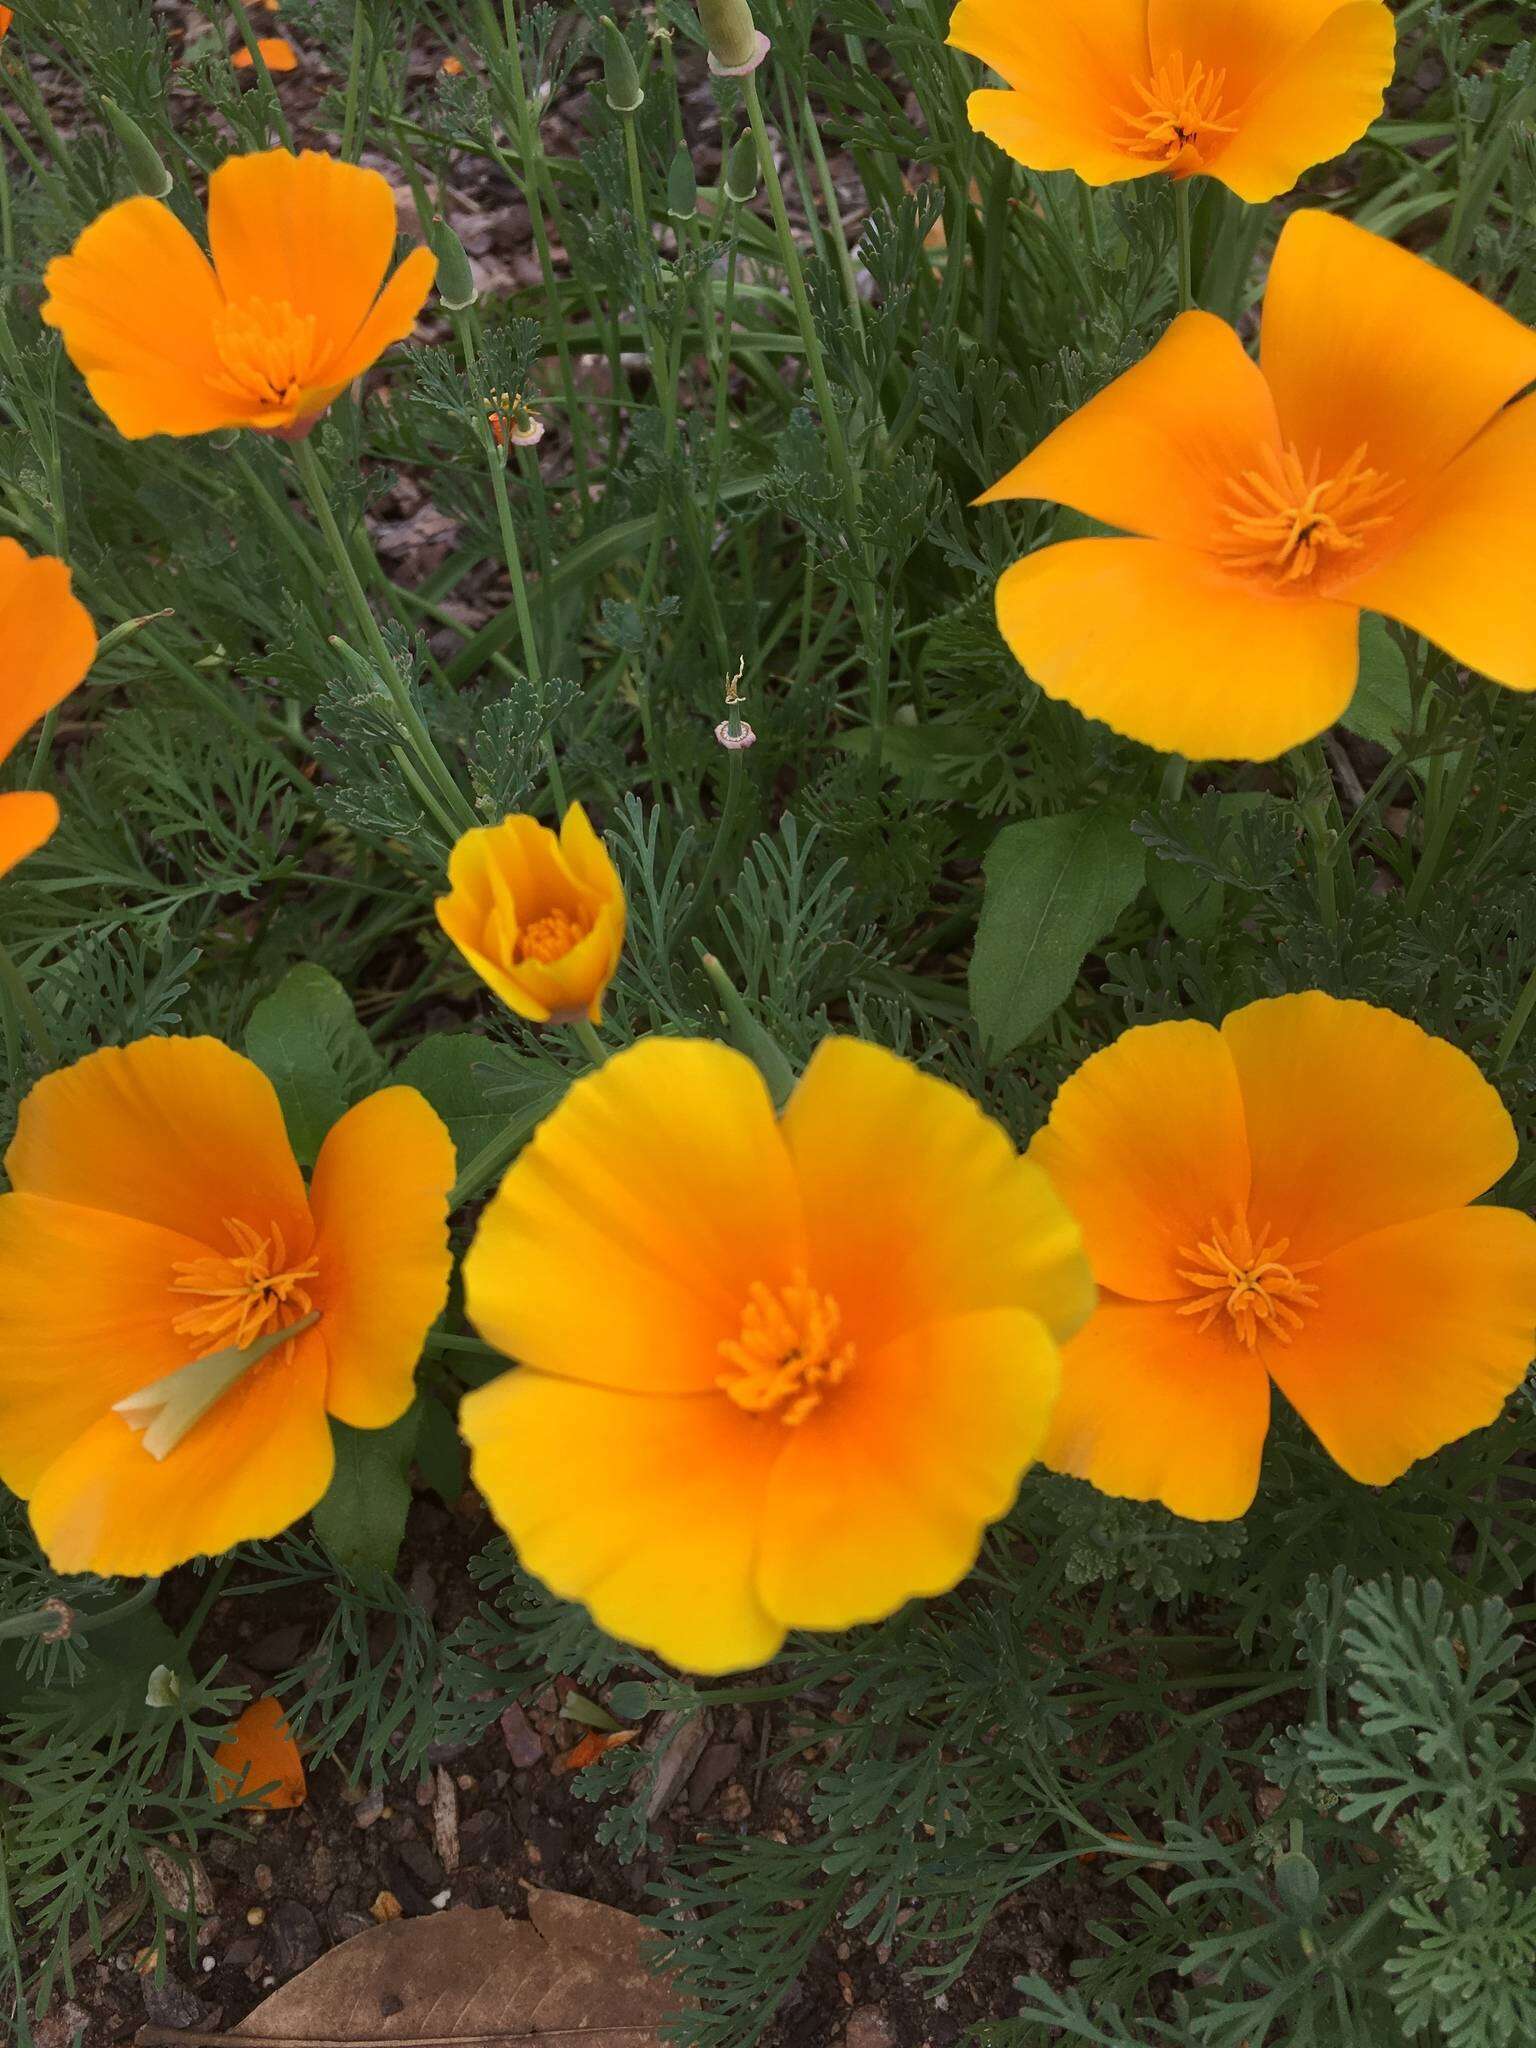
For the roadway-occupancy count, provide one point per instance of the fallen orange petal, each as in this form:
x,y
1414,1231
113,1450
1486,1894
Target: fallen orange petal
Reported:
x,y
260,1752
276,53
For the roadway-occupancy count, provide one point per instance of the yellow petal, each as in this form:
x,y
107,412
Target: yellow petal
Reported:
x,y
1367,345
256,1462
1420,1334
380,1202
1358,1119
917,1207
28,819
1312,104
1152,1408
47,643
621,1247
1156,452
645,1508
1464,576
1146,1146
1157,642
884,1492
180,1132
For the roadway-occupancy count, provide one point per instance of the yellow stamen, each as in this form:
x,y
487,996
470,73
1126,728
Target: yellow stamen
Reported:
x,y
1247,1277
790,1353
1180,118
244,1294
1287,521
551,936
268,350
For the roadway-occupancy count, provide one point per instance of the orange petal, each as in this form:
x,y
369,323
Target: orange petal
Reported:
x,y
179,1132
1146,1146
885,1491
645,1508
28,819
47,642
1157,450
621,1247
391,319
380,1203
1358,1119
1420,1334
1072,68
259,1459
1248,40
1312,104
1367,345
276,53
917,1206
1149,638
260,1751
1464,578
85,1320
136,302
1153,1409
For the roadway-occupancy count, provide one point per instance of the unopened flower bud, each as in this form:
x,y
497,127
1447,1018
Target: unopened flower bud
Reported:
x,y
682,186
735,45
743,169
620,78
149,174
456,285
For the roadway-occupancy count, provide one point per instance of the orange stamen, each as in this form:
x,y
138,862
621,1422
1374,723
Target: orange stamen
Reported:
x,y
1247,1277
1181,116
244,1294
268,351
550,937
1287,521
790,1353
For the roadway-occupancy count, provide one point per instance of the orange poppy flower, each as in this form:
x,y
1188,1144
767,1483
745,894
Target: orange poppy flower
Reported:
x,y
260,1752
1373,463
539,918
178,1317
277,53
775,1373
7,16
293,306
1285,1199
1253,92
47,644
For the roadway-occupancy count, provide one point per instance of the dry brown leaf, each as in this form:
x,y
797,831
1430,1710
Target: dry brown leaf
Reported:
x,y
570,1973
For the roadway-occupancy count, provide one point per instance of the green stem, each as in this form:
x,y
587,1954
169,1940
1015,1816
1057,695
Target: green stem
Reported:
x,y
587,1038
349,129
14,983
1519,1017
490,1159
1186,254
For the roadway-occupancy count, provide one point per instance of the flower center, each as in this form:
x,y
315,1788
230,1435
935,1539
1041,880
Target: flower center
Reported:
x,y
244,1294
790,1353
268,350
550,937
1180,116
1287,521
1244,1275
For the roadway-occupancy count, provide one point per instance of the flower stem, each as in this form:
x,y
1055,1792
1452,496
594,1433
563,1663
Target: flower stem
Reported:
x,y
15,985
1186,256
1519,1017
590,1043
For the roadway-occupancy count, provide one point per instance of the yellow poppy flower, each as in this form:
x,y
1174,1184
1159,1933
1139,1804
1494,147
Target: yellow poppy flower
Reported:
x,y
539,918
1285,1199
293,306
1252,92
774,1374
1373,463
157,1244
47,644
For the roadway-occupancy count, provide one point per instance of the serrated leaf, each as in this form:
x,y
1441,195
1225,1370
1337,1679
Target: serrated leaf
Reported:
x,y
1054,889
306,1039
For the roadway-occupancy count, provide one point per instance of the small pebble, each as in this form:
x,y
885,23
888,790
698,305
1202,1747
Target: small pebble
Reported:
x,y
256,1917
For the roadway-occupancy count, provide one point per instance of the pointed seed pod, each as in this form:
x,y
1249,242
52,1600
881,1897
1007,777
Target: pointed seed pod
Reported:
x,y
743,169
682,186
456,285
620,78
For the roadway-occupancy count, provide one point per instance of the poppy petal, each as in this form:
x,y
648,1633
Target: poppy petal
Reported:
x,y
28,819
577,1265
1420,1334
260,1752
85,1320
259,1459
1311,104
873,1139
47,641
180,1132
1146,1146
1151,1408
391,318
380,1203
884,1492
646,1508
1069,66
1464,577
1156,451
1335,1153
1365,345
1157,642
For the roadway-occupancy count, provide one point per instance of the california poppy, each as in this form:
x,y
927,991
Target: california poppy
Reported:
x,y
7,16
293,306
539,918
156,1247
1284,1200
47,643
277,53
775,1373
1373,463
1253,92
260,1758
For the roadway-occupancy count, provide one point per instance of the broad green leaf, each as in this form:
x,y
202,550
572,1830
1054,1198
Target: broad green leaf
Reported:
x,y
451,1069
361,1520
306,1039
440,1449
1054,888
1382,706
